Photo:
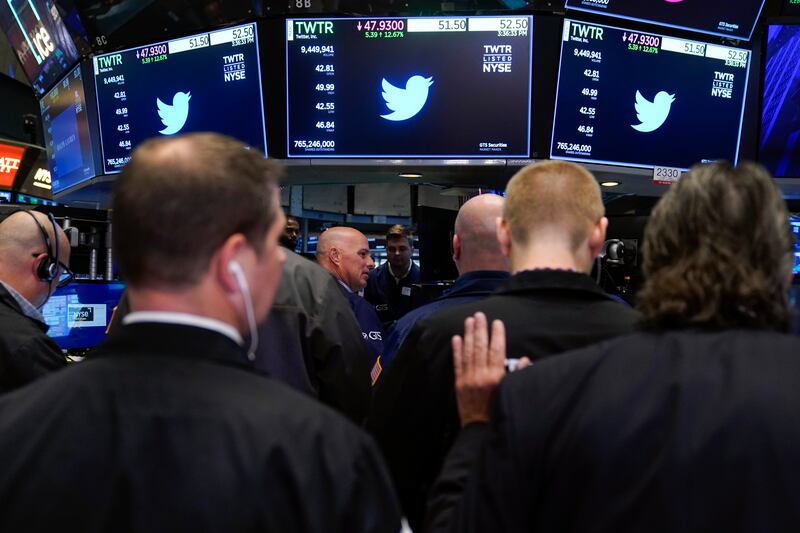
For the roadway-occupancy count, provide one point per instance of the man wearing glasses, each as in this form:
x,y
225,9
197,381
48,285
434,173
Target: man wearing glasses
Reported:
x,y
33,263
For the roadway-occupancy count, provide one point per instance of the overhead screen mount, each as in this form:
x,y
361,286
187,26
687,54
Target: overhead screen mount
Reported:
x,y
205,82
631,98
725,18
447,87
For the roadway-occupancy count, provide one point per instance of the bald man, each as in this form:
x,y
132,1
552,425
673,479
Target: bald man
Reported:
x,y
481,266
344,252
26,352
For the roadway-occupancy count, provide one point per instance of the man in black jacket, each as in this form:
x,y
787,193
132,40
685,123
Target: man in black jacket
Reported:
x,y
689,425
30,269
552,230
169,427
315,341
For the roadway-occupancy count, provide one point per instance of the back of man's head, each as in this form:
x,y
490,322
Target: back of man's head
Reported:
x,y
553,198
475,244
718,251
179,199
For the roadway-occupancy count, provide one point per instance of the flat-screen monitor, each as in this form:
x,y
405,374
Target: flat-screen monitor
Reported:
x,y
409,87
791,7
726,18
69,132
206,82
780,111
795,222
644,100
10,160
38,35
79,313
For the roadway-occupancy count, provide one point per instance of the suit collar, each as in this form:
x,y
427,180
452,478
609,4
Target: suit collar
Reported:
x,y
550,279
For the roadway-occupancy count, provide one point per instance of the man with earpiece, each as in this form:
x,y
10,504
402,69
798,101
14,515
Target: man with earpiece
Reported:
x,y
169,427
32,264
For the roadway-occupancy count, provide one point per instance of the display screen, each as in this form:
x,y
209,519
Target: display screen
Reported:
x,y
780,119
645,100
79,313
67,133
43,45
206,82
727,18
409,87
795,222
10,159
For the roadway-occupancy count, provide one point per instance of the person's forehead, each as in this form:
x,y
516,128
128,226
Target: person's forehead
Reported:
x,y
397,240
293,223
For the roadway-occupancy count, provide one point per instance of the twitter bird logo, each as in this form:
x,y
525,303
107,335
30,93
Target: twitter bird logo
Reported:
x,y
174,116
652,115
405,103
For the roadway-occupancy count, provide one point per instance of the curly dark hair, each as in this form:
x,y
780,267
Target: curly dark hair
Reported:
x,y
718,252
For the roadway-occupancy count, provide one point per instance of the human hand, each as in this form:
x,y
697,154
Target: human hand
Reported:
x,y
479,365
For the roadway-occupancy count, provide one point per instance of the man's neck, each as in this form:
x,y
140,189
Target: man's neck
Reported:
x,y
403,270
540,259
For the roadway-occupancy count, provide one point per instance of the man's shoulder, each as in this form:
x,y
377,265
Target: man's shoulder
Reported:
x,y
132,382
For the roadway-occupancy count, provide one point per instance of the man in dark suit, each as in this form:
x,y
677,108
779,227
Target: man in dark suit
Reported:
x,y
34,257
689,425
169,427
552,230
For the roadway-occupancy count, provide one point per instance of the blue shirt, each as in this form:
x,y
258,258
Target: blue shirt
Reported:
x,y
471,286
371,328
391,298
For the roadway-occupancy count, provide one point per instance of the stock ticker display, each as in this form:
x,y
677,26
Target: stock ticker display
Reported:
x,y
640,99
205,82
67,134
409,87
726,18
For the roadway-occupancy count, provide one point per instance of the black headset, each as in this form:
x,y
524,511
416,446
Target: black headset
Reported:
x,y
48,268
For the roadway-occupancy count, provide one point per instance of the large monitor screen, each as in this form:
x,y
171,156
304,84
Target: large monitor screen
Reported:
x,y
409,87
644,100
727,18
780,114
206,82
79,313
38,35
67,132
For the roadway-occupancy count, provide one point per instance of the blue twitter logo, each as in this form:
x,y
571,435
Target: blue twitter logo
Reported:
x,y
174,116
405,103
652,115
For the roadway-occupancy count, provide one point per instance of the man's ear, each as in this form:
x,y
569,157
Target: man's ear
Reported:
x,y
504,236
597,237
335,256
456,248
231,250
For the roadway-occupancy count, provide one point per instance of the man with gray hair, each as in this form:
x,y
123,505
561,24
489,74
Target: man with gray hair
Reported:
x,y
34,253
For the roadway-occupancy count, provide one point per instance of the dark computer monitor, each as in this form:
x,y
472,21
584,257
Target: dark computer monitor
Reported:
x,y
69,120
79,313
631,98
409,87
